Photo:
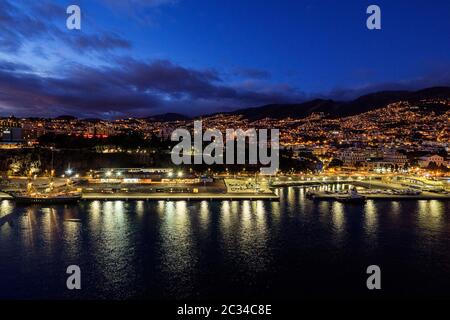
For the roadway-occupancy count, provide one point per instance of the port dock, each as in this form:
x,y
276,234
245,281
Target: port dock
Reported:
x,y
172,196
181,196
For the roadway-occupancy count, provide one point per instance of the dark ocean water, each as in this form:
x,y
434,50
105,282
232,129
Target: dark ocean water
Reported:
x,y
292,249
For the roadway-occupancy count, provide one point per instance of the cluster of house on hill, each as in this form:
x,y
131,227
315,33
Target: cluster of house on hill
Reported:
x,y
376,159
437,160
387,160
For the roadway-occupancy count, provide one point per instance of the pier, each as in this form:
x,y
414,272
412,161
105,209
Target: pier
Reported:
x,y
389,188
170,196
181,196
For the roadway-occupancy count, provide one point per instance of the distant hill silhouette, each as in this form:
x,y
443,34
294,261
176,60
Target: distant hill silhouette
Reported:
x,y
334,108
171,116
92,120
66,117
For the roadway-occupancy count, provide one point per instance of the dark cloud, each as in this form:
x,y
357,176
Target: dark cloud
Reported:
x,y
131,87
49,10
34,22
125,87
252,73
180,82
95,42
17,26
13,66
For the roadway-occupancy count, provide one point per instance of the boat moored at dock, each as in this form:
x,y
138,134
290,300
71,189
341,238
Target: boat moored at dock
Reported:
x,y
48,198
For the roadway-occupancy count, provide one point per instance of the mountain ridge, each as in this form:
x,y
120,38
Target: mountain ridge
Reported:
x,y
333,108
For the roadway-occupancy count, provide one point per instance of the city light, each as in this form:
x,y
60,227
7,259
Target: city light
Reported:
x,y
135,165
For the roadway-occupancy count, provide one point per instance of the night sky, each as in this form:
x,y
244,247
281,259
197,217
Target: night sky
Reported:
x,y
144,57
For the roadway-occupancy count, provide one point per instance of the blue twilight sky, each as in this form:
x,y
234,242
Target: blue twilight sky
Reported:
x,y
143,57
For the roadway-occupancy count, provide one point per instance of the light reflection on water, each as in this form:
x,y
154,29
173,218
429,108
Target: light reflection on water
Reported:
x,y
180,249
6,207
371,216
204,215
338,216
430,216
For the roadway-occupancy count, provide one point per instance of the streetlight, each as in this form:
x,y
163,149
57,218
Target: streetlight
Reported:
x,y
180,174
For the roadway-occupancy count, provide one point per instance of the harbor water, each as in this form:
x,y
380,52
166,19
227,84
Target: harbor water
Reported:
x,y
293,249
